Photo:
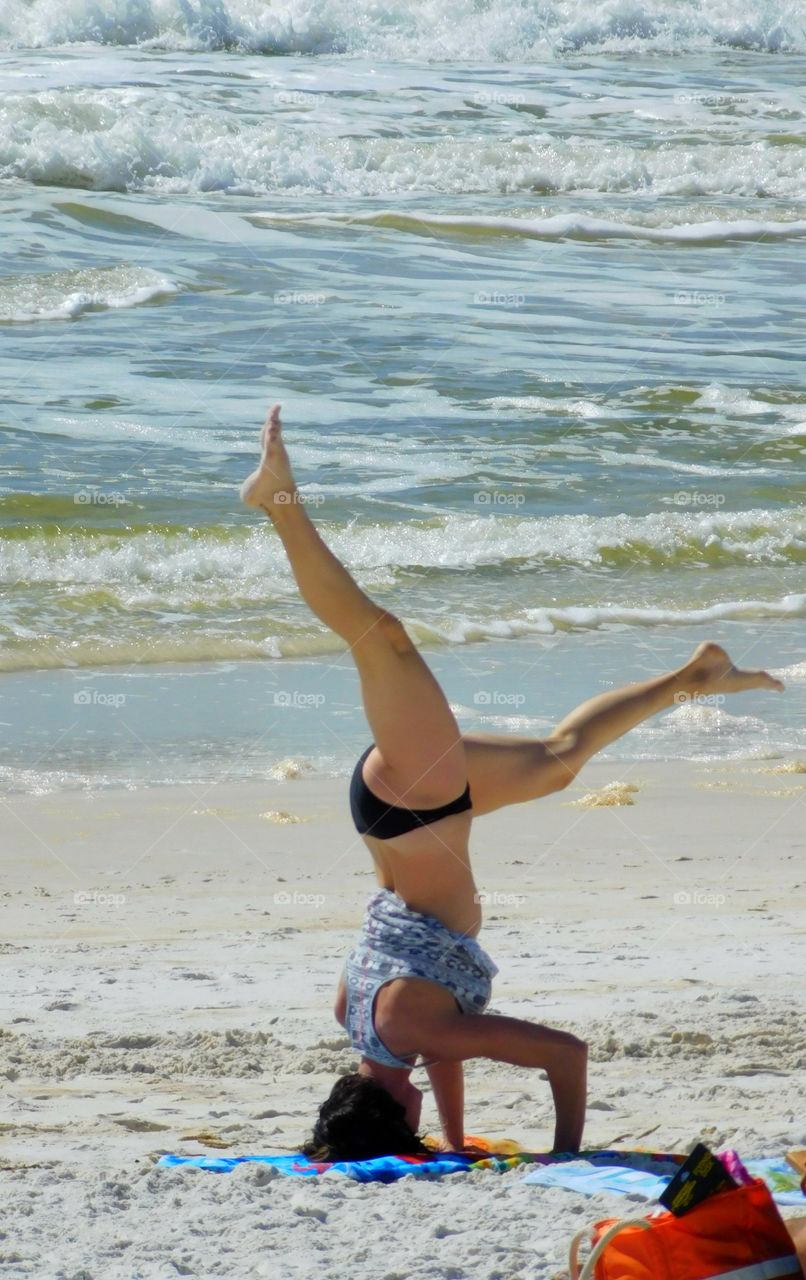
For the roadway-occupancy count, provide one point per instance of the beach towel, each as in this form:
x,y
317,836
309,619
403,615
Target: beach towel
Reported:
x,y
608,1171
637,1173
495,1154
502,1154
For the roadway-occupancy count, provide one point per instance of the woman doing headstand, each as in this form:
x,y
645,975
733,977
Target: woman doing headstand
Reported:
x,y
417,982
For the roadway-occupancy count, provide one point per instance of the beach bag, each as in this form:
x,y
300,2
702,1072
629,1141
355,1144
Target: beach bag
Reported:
x,y
735,1235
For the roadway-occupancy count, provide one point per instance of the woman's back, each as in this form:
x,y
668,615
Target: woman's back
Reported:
x,y
429,868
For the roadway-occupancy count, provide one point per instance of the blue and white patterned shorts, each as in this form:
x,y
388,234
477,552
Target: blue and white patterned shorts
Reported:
x,y
397,942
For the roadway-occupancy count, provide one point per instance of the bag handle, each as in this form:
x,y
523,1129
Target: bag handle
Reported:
x,y
573,1253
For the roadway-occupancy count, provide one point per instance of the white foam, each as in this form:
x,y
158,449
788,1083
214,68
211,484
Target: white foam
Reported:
x,y
739,403
442,30
448,542
565,225
112,138
586,618
794,674
712,718
576,408
460,541
64,295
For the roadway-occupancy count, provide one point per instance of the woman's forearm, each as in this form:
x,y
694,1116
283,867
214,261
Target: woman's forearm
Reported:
x,y
569,1085
447,1081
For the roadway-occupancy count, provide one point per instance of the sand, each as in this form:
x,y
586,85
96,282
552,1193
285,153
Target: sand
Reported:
x,y
169,960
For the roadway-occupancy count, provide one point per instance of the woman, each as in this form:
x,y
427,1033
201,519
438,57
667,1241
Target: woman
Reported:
x,y
417,982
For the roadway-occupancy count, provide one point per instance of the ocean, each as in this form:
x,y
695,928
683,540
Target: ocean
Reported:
x,y
526,277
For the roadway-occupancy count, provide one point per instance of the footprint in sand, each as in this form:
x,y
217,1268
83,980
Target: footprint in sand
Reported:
x,y
141,1126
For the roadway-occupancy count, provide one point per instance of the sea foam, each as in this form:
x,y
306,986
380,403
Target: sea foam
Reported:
x,y
109,138
64,295
561,226
442,30
449,542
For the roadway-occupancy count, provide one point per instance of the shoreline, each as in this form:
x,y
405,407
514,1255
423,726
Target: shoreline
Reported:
x,y
107,728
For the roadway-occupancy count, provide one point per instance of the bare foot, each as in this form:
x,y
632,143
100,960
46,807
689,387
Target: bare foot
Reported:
x,y
272,485
709,670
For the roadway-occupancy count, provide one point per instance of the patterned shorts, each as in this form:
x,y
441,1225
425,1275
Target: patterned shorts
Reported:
x,y
396,942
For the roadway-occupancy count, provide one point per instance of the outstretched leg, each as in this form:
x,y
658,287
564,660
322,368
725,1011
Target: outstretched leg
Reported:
x,y
505,771
419,761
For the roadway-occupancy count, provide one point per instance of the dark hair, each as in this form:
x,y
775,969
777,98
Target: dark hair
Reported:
x,y
359,1121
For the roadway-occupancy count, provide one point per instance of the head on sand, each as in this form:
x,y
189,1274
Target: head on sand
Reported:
x,y
360,1120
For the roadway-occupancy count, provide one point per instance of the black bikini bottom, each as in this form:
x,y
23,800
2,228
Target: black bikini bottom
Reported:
x,y
374,817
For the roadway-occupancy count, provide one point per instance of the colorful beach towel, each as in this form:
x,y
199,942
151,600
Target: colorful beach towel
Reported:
x,y
636,1173
495,1154
502,1154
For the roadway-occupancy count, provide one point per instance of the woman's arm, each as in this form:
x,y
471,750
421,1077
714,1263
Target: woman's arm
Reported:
x,y
563,1057
447,1081
340,1006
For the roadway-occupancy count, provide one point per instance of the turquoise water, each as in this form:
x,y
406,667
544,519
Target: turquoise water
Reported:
x,y
527,282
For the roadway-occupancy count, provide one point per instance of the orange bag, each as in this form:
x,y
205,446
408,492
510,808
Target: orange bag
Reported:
x,y
734,1235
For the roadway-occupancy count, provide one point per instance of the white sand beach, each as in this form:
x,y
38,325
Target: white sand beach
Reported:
x,y
169,961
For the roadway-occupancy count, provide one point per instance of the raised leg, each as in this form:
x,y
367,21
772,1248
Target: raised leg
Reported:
x,y
419,759
505,771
